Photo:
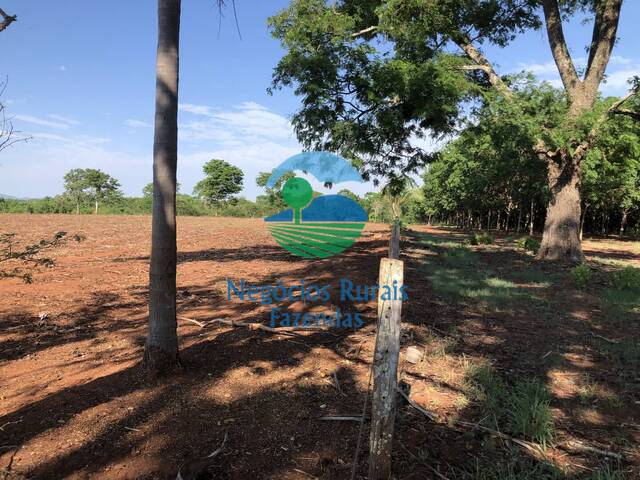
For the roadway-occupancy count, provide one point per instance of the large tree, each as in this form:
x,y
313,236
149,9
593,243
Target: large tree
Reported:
x,y
390,64
80,183
222,181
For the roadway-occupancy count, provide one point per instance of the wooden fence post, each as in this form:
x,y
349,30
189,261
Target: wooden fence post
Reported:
x,y
385,364
394,242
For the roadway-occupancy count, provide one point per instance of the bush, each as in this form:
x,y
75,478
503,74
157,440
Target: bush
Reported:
x,y
627,279
528,244
479,239
581,275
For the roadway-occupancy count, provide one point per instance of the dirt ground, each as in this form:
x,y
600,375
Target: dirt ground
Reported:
x,y
75,401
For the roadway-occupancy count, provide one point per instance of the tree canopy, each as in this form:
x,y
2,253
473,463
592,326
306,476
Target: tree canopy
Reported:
x,y
221,183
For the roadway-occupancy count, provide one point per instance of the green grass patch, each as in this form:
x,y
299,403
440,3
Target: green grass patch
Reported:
x,y
481,238
581,275
515,467
522,409
626,353
458,274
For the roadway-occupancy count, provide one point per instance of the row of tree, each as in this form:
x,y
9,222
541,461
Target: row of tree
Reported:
x,y
490,177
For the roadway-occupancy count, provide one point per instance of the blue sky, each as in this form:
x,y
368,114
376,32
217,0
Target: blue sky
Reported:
x,y
81,83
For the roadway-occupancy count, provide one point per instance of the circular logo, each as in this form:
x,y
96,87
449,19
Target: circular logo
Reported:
x,y
317,226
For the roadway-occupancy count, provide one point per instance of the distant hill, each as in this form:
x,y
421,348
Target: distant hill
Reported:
x,y
8,197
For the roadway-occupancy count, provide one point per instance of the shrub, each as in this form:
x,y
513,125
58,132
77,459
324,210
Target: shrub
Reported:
x,y
528,244
479,239
627,279
581,275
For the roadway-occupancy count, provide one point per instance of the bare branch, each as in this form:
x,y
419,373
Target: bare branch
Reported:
x,y
558,44
6,19
365,30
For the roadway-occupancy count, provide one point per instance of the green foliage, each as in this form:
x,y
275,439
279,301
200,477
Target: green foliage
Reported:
x,y
522,410
358,99
581,275
529,415
221,182
608,472
514,467
90,184
528,244
627,278
483,238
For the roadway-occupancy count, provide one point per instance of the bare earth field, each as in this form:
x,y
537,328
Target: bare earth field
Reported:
x,y
75,401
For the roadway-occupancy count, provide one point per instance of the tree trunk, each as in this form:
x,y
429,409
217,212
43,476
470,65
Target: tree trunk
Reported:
x,y
560,239
584,215
519,227
161,353
95,210
531,218
623,222
77,207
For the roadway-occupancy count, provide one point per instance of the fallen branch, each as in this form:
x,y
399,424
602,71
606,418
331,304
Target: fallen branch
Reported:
x,y
615,342
254,326
353,418
426,413
576,446
196,322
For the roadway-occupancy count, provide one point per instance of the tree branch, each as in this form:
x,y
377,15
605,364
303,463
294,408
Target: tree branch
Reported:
x,y
595,129
6,19
558,45
603,39
483,64
364,31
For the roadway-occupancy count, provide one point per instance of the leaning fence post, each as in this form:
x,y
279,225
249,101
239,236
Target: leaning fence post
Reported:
x,y
385,363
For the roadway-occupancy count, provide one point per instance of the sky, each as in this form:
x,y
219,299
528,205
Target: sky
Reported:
x,y
81,84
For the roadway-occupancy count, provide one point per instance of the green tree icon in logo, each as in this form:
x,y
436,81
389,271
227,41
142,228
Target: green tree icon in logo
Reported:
x,y
297,193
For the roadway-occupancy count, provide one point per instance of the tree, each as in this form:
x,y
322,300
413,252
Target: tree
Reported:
x,y
397,191
221,182
273,197
7,133
74,186
161,351
335,51
90,183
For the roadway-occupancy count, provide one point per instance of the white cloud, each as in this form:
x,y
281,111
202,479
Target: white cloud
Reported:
x,y
40,121
618,80
130,122
63,119
244,123
539,69
195,109
36,168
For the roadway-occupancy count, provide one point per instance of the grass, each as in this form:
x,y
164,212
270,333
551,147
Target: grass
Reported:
x,y
626,354
591,392
515,467
522,410
458,274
